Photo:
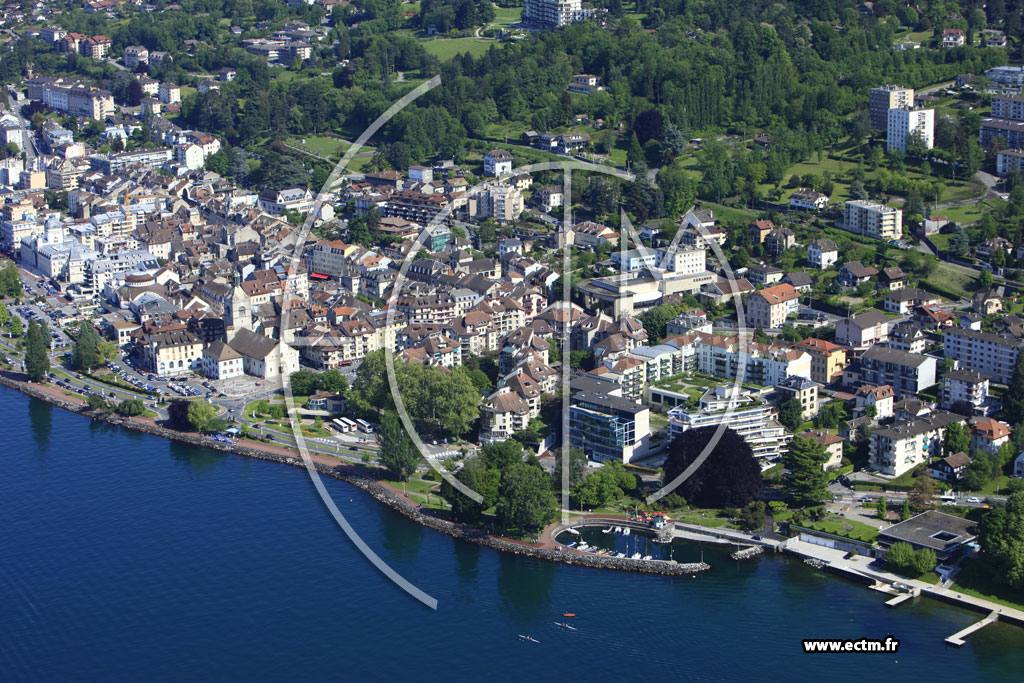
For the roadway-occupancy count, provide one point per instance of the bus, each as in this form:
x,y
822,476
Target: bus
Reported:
x,y
343,425
365,426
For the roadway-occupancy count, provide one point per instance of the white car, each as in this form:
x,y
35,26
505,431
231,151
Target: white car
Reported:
x,y
973,500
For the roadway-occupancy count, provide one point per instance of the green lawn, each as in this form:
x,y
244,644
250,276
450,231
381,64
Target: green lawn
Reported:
x,y
507,15
321,145
447,48
951,277
729,214
970,213
846,527
974,580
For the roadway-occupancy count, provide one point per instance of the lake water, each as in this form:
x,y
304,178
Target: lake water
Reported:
x,y
126,556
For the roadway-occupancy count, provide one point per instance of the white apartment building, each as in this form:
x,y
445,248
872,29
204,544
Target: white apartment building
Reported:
x,y
750,417
985,352
552,13
902,446
497,162
872,219
904,122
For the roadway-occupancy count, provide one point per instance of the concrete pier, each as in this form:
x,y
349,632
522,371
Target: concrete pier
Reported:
x,y
959,638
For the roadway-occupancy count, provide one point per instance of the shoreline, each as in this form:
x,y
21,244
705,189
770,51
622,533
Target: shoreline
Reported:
x,y
356,476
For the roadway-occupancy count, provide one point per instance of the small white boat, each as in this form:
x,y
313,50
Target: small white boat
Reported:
x,y
582,546
648,557
636,556
606,531
572,530
528,638
625,531
620,554
618,529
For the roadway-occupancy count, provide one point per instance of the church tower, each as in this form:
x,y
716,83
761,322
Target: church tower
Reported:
x,y
237,309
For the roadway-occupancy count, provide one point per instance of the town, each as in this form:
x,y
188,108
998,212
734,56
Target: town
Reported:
x,y
850,307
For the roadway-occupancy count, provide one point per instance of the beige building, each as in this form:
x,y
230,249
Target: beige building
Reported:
x,y
174,351
872,219
769,307
885,98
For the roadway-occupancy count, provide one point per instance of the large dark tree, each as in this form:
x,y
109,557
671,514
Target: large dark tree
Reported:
x,y
730,477
37,360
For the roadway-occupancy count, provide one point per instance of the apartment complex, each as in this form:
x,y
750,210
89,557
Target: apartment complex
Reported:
x,y
985,352
906,122
71,97
750,417
907,373
872,219
552,13
885,98
902,446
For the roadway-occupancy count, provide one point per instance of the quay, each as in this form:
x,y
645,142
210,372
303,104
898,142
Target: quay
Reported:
x,y
960,637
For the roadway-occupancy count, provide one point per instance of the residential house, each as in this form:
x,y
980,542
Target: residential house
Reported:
x,y
854,273
863,330
828,360
833,447
908,373
769,307
822,253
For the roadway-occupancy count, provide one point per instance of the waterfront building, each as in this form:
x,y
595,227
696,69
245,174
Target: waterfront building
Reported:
x,y
749,416
608,427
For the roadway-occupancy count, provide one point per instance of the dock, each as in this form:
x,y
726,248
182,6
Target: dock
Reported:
x,y
959,638
899,599
745,553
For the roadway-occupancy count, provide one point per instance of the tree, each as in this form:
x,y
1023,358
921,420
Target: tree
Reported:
x,y
1001,536
882,508
199,415
478,478
577,468
905,510
525,499
398,453
635,154
922,494
131,407
17,329
333,381
370,392
903,559
37,359
1013,399
303,382
956,439
752,515
806,481
86,353
830,415
730,477
791,414
10,281
97,403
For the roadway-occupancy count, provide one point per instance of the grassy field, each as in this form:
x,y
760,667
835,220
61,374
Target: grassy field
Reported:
x,y
507,15
730,214
845,527
966,214
447,48
973,580
956,279
321,145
